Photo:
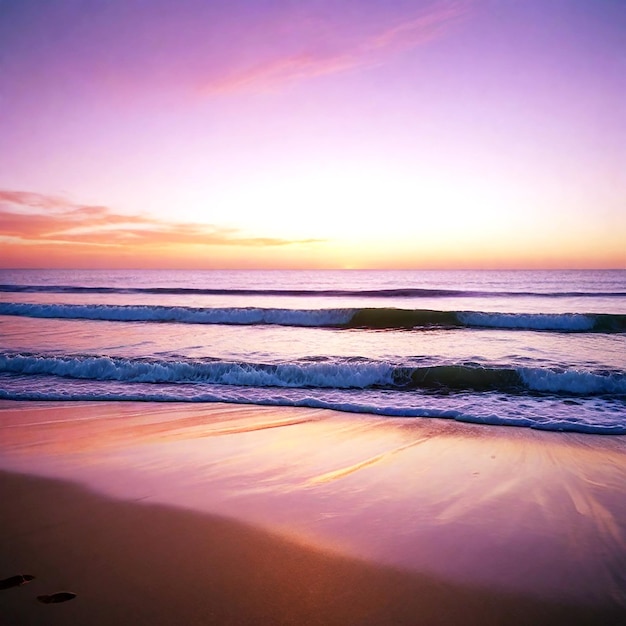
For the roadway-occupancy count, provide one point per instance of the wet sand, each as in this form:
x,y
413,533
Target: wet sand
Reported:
x,y
162,514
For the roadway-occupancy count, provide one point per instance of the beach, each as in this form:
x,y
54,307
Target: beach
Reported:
x,y
160,513
312,313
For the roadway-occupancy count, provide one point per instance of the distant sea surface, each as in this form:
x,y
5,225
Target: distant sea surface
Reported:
x,y
542,349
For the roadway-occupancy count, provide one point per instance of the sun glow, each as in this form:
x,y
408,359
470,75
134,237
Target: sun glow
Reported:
x,y
309,138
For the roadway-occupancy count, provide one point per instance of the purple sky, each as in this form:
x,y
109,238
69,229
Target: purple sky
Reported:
x,y
374,133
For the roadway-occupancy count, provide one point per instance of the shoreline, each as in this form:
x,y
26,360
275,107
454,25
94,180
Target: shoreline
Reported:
x,y
517,524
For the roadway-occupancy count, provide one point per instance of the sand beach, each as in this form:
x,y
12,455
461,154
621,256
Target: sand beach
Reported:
x,y
157,513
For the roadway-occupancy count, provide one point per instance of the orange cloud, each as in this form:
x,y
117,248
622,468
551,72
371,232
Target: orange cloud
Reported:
x,y
33,219
370,50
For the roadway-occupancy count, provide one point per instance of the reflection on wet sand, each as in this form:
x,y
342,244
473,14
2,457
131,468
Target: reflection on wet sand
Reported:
x,y
506,507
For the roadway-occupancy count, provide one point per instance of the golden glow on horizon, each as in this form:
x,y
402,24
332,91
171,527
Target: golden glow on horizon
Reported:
x,y
386,221
330,255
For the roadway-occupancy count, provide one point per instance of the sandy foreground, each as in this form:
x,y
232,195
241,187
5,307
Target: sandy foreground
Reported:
x,y
224,514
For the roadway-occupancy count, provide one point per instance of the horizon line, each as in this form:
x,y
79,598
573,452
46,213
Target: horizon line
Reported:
x,y
317,269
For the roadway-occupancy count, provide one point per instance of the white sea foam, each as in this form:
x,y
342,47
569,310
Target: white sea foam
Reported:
x,y
576,382
190,315
531,321
322,374
589,416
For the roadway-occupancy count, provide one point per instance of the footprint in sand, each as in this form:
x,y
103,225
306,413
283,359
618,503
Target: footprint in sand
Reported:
x,y
21,579
15,581
61,596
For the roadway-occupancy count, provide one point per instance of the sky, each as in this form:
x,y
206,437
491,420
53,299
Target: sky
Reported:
x,y
392,134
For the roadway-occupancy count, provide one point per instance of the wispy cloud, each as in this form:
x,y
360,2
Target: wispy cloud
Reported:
x,y
369,50
32,218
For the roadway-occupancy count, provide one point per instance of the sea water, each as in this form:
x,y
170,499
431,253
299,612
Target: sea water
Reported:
x,y
543,349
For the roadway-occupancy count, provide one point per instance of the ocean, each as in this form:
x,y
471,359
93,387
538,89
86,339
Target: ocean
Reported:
x,y
540,349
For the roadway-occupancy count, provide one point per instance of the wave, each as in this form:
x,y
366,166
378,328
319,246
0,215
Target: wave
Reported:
x,y
344,374
367,318
540,412
181,314
360,293
560,322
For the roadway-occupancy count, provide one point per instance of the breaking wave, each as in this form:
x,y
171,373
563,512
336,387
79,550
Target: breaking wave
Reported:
x,y
347,373
374,318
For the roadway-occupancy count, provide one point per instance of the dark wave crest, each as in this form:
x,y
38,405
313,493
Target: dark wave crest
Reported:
x,y
389,318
